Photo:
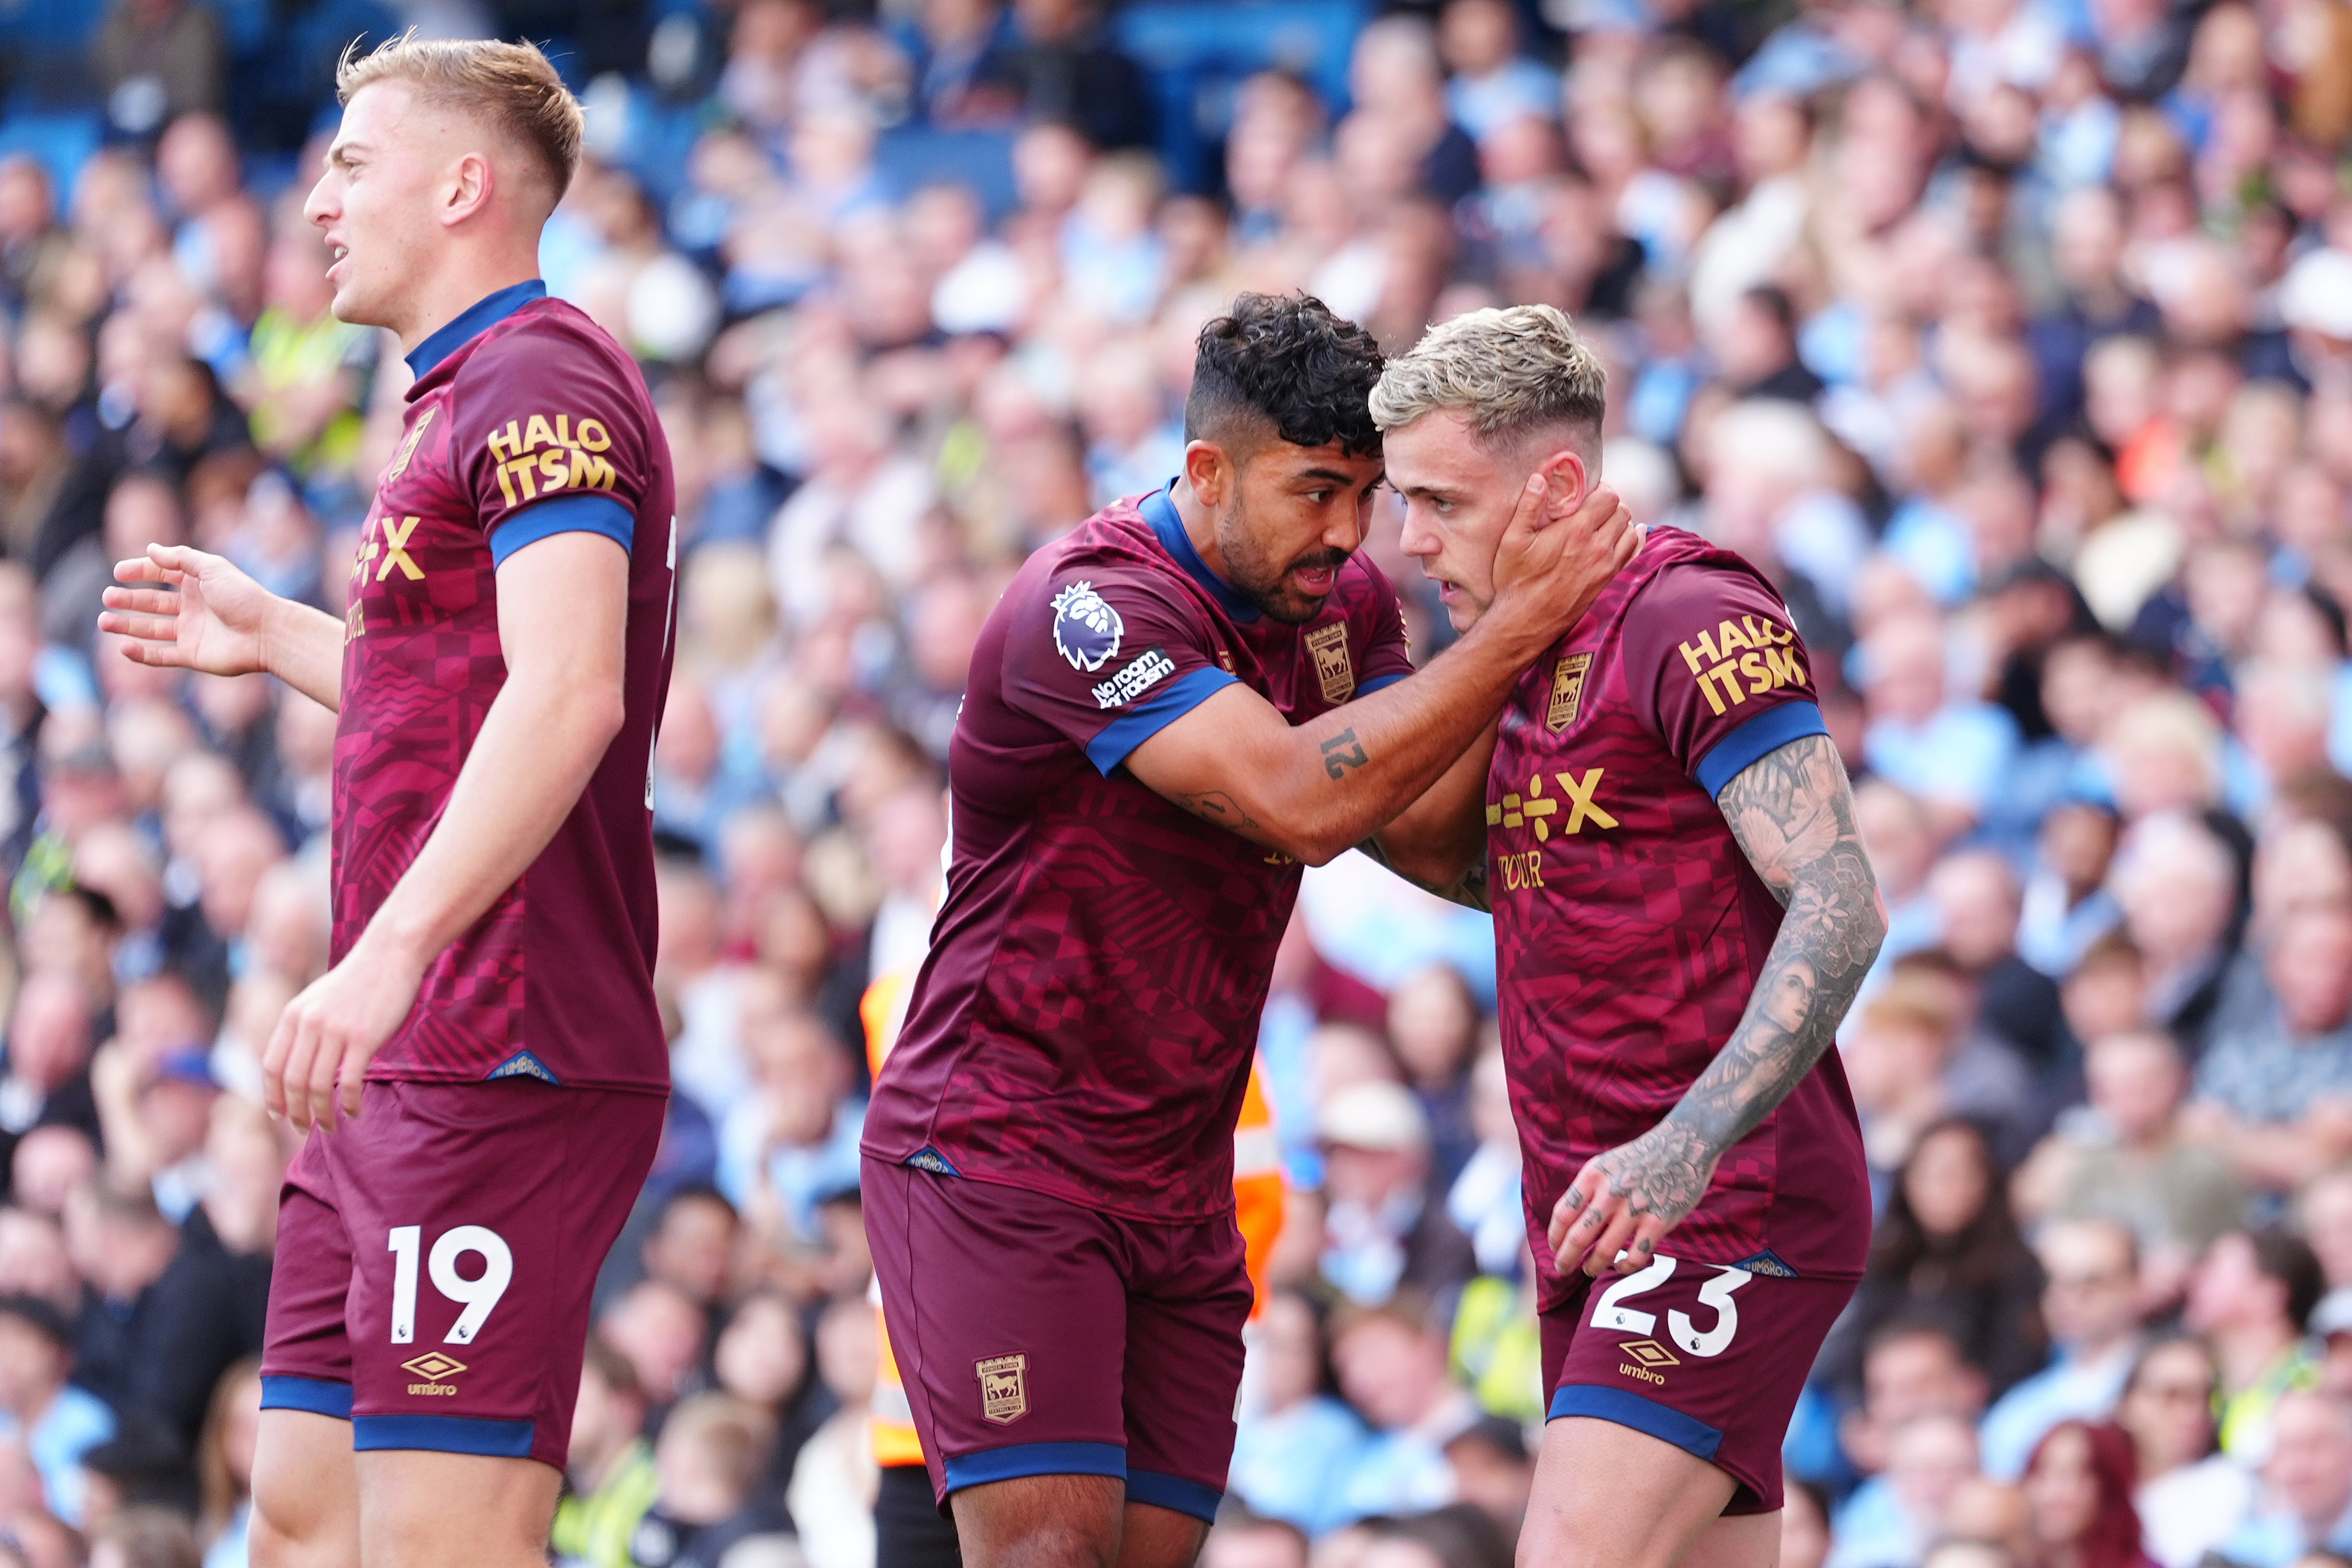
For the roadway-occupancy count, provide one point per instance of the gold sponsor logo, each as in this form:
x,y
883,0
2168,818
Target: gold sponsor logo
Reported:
x,y
1535,809
1003,1388
435,1369
1519,872
1567,690
1761,653
1648,1359
536,458
1329,646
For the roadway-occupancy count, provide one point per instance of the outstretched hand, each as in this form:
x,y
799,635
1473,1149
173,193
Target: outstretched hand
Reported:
x,y
208,616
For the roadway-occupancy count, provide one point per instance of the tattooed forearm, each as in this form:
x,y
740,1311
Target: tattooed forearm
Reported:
x,y
1343,752
1469,889
1215,805
1794,815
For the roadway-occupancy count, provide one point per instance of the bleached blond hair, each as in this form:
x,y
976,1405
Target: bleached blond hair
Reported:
x,y
511,88
1512,370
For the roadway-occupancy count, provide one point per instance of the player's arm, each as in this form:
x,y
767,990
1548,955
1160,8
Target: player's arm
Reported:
x,y
1439,842
562,623
1792,812
1316,789
209,617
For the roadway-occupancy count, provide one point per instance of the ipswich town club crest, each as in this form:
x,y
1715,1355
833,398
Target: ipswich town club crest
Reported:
x,y
1085,628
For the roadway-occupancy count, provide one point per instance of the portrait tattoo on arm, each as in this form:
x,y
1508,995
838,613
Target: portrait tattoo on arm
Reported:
x,y
1792,814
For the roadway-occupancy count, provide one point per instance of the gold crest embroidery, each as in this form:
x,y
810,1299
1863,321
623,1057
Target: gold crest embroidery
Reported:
x,y
1567,690
408,447
1329,646
1003,1388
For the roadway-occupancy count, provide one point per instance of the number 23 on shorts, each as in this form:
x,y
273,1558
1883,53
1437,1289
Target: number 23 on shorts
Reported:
x,y
1611,1312
478,1295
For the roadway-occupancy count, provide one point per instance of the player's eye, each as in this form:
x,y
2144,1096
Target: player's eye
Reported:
x,y
1321,498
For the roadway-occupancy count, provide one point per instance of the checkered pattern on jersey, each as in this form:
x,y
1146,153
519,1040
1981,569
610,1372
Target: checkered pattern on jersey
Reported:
x,y
1630,930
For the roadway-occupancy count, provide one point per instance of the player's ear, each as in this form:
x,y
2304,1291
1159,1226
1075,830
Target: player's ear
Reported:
x,y
1210,471
471,184
1564,480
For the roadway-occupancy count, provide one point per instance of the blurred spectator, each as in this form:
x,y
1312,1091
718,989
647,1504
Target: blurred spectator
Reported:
x,y
2123,1157
2250,1298
1381,1230
2307,1487
57,1421
1947,1248
1912,1372
2090,1307
225,1466
1294,1444
2189,1496
1391,1366
712,1451
2276,1097
609,1475
2078,1497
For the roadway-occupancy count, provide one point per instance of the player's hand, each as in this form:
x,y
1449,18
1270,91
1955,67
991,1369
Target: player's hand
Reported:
x,y
321,1049
1554,559
216,622
1623,1204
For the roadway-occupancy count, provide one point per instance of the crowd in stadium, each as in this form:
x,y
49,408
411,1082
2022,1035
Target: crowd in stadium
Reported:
x,y
2012,338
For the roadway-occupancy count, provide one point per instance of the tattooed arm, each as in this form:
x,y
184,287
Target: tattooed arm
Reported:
x,y
1439,842
1794,815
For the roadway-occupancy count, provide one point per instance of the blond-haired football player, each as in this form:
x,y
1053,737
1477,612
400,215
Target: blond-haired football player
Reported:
x,y
481,1072
1682,913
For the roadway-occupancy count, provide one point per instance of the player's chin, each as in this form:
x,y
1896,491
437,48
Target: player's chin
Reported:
x,y
1291,607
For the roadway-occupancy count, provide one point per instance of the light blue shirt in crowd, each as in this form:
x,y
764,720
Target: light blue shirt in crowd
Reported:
x,y
800,1175
1290,1465
2275,1540
76,1422
2068,1389
1958,755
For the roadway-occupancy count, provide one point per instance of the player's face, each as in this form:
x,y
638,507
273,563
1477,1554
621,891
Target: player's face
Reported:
x,y
376,201
1459,494
1296,514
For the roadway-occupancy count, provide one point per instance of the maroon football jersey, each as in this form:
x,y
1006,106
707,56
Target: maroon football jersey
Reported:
x,y
1084,1024
1629,926
525,420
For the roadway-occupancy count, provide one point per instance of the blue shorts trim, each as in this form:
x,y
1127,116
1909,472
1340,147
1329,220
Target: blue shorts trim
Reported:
x,y
1175,1493
1131,728
1756,740
315,1394
1688,1433
1035,1459
566,514
443,1434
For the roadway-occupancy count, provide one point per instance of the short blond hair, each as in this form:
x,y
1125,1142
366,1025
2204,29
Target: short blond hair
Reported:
x,y
1511,370
511,87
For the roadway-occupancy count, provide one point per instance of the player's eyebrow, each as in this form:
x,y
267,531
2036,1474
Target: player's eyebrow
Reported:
x,y
339,154
1325,476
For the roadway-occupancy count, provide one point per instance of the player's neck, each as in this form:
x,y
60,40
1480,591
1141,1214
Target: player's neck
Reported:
x,y
456,288
1200,527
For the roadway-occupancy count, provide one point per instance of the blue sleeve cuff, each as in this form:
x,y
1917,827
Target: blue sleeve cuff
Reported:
x,y
564,514
1756,740
1378,682
1115,740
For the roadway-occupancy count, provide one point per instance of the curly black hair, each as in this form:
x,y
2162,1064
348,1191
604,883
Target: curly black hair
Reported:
x,y
1285,360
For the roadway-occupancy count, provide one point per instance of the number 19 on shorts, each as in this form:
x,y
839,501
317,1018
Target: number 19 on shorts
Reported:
x,y
477,1295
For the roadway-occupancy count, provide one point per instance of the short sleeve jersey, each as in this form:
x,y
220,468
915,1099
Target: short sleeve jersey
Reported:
x,y
1629,928
525,420
1085,1022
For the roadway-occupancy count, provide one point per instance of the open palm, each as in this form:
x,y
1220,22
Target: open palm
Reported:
x,y
208,618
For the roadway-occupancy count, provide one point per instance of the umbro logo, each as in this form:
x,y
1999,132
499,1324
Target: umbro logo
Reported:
x,y
435,1369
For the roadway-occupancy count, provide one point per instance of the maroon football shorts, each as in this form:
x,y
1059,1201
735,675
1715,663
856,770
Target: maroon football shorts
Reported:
x,y
435,1259
1038,1338
1705,1356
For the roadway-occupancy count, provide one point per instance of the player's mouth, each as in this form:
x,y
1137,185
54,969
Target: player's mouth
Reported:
x,y
341,253
1317,578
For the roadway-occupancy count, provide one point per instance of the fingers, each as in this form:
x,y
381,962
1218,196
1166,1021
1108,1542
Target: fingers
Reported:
x,y
1643,1248
1527,515
1602,1255
326,1066
274,1058
142,601
1590,1184
147,628
353,1077
140,569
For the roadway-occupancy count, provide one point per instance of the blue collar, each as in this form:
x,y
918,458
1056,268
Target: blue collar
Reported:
x,y
487,312
1160,512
